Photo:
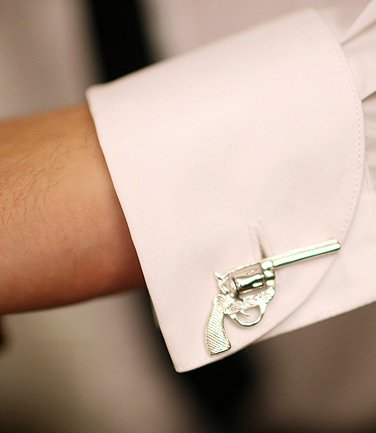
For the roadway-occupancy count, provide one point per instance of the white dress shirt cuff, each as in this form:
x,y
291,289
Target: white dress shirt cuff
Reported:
x,y
259,135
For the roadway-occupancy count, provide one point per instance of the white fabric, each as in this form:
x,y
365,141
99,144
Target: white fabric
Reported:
x,y
261,132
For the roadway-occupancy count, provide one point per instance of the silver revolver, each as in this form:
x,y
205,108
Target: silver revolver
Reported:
x,y
248,287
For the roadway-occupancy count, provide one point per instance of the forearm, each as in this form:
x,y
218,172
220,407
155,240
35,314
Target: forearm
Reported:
x,y
63,236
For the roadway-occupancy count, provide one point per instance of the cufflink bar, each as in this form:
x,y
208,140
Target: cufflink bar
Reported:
x,y
251,287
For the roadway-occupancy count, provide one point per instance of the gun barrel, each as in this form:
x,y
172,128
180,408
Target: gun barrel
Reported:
x,y
305,253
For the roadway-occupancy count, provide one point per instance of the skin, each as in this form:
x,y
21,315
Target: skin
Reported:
x,y
63,235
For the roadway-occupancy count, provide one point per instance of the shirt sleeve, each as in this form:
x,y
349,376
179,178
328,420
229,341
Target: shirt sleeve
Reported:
x,y
251,145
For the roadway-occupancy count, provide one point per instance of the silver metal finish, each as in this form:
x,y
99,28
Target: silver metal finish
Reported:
x,y
251,286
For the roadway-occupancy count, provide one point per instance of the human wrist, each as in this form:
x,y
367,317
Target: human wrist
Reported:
x,y
64,236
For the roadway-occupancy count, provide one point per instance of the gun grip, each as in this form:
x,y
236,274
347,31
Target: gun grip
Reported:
x,y
216,338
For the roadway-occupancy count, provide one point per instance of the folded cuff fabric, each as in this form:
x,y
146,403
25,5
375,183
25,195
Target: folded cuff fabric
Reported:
x,y
259,135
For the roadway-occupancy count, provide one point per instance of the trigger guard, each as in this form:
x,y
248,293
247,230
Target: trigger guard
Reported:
x,y
261,307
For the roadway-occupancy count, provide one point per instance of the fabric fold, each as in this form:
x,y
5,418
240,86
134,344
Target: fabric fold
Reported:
x,y
359,46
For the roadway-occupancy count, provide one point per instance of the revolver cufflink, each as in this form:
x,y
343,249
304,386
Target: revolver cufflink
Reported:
x,y
251,286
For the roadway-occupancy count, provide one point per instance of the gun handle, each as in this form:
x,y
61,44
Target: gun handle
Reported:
x,y
216,338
